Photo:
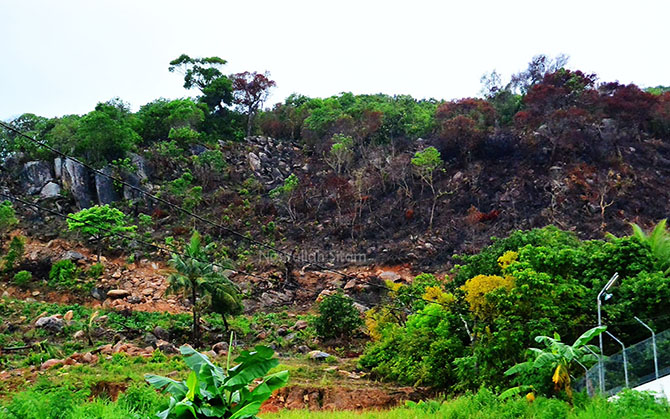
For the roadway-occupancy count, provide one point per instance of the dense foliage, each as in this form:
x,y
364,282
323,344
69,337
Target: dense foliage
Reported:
x,y
537,282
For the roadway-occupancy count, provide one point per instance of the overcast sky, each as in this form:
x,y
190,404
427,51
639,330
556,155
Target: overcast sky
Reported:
x,y
62,57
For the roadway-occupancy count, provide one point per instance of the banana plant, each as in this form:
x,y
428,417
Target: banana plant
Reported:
x,y
212,392
658,240
560,356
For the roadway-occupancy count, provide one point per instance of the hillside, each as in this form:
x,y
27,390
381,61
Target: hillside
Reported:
x,y
219,217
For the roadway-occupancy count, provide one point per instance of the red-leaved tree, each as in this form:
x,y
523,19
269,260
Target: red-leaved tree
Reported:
x,y
250,90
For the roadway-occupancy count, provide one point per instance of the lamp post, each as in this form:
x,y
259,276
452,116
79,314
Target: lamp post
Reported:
x,y
653,344
600,323
625,361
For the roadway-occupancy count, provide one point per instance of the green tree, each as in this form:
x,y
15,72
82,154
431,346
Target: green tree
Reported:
x,y
195,274
337,317
100,223
224,297
426,163
106,133
341,153
205,75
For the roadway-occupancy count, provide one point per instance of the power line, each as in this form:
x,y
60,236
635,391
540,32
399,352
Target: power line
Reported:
x,y
289,256
121,235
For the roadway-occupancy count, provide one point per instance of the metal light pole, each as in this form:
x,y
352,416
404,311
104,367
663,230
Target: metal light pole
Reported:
x,y
600,323
653,344
625,361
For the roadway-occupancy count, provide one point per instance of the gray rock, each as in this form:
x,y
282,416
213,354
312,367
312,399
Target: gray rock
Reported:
x,y
254,162
166,347
141,164
75,180
98,294
53,324
35,175
197,149
303,349
389,276
73,256
318,355
133,299
58,167
50,190
150,339
161,333
104,187
134,180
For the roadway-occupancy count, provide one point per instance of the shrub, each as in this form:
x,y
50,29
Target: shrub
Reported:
x,y
337,317
211,391
63,274
22,278
15,253
96,270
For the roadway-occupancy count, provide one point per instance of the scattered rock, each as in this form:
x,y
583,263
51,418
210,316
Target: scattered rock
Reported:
x,y
98,294
79,334
52,324
303,349
300,325
161,333
51,363
166,347
73,256
68,316
389,276
254,162
318,355
113,294
350,284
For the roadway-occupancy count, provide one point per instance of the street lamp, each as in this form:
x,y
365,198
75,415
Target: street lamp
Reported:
x,y
600,323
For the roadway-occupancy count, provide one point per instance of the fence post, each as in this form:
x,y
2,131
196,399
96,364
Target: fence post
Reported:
x,y
625,363
599,357
653,344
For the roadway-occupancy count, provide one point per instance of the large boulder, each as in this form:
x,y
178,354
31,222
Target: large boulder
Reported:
x,y
131,192
141,165
76,180
104,187
35,175
50,190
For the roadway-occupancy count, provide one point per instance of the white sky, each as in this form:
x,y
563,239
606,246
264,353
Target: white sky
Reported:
x,y
62,57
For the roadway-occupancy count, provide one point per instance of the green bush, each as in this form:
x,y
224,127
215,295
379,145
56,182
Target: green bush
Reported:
x,y
22,278
96,270
337,317
14,253
63,274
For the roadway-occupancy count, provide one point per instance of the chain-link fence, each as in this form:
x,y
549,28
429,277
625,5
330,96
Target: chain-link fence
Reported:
x,y
640,366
